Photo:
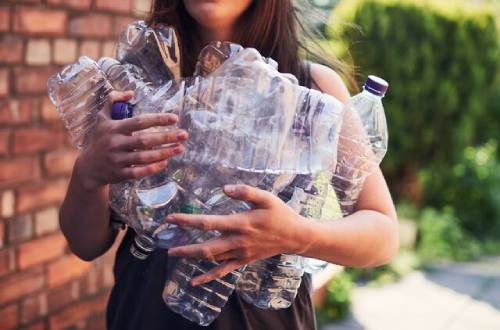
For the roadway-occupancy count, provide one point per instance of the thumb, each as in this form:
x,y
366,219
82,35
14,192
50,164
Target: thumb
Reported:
x,y
113,97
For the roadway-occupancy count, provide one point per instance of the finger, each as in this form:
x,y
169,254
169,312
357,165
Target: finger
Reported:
x,y
150,156
223,223
116,96
142,171
247,193
205,251
150,140
144,121
218,272
232,254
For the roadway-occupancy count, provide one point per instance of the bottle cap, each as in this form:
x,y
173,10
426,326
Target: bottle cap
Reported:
x,y
142,247
376,85
121,110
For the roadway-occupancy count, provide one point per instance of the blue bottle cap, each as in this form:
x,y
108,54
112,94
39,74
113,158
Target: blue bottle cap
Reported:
x,y
376,85
121,110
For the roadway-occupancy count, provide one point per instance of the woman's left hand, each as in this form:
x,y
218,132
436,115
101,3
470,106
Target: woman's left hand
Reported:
x,y
271,228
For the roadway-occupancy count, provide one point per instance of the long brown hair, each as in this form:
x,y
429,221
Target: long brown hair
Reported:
x,y
272,27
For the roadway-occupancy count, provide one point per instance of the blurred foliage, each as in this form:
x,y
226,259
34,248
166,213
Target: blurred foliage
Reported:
x,y
472,188
338,300
403,263
441,59
442,238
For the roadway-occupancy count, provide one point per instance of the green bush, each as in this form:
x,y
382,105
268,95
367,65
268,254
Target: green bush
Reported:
x,y
338,300
442,238
441,58
471,188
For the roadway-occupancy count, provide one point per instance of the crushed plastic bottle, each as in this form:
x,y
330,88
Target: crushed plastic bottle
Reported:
x,y
155,50
79,93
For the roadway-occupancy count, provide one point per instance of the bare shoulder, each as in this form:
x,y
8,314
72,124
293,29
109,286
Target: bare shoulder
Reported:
x,y
328,81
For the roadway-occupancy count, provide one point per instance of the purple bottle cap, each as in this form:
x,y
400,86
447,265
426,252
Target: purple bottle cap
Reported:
x,y
121,110
376,85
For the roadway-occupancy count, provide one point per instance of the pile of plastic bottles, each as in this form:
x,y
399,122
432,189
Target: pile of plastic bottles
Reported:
x,y
248,123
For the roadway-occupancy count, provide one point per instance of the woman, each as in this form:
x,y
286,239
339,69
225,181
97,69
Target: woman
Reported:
x,y
366,238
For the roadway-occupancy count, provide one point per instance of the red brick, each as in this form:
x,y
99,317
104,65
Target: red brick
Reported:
x,y
59,162
40,325
18,170
32,80
11,49
7,205
63,295
4,19
90,48
141,8
13,112
4,142
78,312
33,308
109,48
46,221
123,6
2,233
120,23
38,52
20,228
41,250
49,112
35,20
30,140
92,25
41,195
7,261
97,323
77,4
9,316
66,269
13,287
65,51
4,82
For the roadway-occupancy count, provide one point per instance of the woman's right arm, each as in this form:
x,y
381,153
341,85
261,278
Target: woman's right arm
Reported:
x,y
112,155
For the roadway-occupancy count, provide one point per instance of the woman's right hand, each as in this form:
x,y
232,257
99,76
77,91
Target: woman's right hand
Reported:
x,y
114,154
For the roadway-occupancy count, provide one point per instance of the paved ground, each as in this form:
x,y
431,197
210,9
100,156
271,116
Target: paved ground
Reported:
x,y
448,297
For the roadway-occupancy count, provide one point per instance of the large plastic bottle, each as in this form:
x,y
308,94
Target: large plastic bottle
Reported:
x,y
274,282
362,145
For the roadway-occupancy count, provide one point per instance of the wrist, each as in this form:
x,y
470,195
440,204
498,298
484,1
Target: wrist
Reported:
x,y
302,235
82,178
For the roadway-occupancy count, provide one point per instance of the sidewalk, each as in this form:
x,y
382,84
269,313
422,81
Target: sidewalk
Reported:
x,y
448,297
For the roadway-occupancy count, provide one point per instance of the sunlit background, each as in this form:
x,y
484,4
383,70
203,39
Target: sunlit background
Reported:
x,y
443,109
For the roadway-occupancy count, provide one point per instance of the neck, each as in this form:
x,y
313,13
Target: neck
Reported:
x,y
215,34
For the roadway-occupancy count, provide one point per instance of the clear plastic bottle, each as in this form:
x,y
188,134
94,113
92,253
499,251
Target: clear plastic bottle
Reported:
x,y
362,145
79,92
362,142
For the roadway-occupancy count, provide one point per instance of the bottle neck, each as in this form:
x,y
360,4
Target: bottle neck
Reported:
x,y
371,96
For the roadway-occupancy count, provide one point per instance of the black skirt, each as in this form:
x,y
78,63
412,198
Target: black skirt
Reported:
x,y
136,302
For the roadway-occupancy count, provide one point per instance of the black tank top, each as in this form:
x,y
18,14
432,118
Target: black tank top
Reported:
x,y
136,302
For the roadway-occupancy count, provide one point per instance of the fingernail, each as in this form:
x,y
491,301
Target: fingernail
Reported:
x,y
179,149
181,135
172,119
230,189
195,282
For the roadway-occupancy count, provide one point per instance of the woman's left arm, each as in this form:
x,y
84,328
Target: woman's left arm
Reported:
x,y
368,237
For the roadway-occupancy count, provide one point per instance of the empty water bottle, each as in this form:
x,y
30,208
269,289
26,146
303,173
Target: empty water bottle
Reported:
x,y
362,142
155,50
362,146
79,92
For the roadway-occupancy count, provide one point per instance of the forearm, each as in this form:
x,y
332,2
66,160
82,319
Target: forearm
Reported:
x,y
84,219
364,239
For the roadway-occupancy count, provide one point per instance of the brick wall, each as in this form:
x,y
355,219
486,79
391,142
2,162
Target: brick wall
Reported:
x,y
42,285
